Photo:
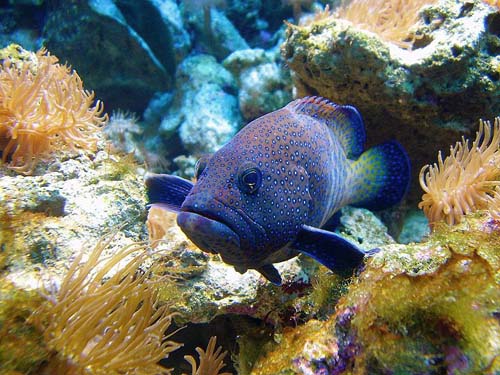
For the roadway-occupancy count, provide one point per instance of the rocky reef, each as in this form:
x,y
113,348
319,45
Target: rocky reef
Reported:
x,y
62,212
263,86
423,95
187,76
204,112
427,308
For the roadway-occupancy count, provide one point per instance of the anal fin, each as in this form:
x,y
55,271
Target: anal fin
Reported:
x,y
329,249
270,273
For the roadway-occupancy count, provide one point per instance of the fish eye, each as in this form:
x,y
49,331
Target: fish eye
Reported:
x,y
200,166
250,180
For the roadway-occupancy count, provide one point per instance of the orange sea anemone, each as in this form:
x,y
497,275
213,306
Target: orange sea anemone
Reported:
x,y
495,3
211,360
467,180
43,108
99,322
390,19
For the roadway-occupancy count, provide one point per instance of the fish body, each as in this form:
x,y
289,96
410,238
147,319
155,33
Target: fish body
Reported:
x,y
263,197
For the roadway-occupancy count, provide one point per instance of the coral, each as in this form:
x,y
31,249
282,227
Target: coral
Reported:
x,y
422,97
211,360
280,357
43,219
392,20
104,323
263,86
44,108
465,181
429,308
204,112
437,314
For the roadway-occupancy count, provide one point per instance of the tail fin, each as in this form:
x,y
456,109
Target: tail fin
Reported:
x,y
381,176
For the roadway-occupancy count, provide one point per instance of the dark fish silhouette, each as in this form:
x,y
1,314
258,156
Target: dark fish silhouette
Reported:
x,y
263,197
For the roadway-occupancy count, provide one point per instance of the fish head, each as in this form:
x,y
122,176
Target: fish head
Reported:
x,y
245,205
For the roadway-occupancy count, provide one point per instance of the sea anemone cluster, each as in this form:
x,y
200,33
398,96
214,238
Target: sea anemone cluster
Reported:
x,y
43,108
100,322
104,317
467,180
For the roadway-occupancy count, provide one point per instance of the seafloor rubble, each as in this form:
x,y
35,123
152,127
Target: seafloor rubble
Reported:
x,y
403,296
51,218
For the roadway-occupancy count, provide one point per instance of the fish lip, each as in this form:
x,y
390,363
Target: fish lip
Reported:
x,y
187,217
210,215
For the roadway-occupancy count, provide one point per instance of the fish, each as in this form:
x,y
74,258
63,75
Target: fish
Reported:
x,y
264,196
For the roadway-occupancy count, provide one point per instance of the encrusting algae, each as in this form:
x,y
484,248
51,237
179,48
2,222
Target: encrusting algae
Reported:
x,y
428,308
22,347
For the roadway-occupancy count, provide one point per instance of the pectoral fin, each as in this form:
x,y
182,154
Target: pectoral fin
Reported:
x,y
329,249
167,191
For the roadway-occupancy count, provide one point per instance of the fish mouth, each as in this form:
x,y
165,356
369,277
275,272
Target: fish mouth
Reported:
x,y
209,232
227,231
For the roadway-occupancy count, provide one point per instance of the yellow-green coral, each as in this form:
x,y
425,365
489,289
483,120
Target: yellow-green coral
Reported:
x,y
411,323
290,344
411,314
418,308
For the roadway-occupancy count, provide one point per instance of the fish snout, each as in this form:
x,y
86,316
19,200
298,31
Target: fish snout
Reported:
x,y
217,227
208,234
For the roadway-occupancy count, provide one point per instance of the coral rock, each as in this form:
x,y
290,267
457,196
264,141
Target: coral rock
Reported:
x,y
422,96
428,308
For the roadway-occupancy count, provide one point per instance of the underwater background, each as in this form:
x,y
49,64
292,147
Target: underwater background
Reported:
x,y
96,94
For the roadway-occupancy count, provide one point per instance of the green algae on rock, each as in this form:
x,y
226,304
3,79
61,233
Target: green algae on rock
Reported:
x,y
426,308
204,287
71,201
21,345
421,96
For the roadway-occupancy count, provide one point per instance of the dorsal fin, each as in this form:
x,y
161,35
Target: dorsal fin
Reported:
x,y
344,120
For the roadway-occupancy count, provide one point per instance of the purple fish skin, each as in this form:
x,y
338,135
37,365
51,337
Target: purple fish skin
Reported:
x,y
306,177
